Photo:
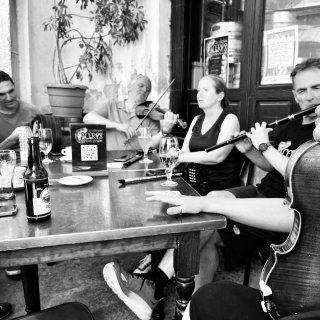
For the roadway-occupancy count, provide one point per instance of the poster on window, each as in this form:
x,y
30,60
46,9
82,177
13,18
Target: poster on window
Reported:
x,y
216,56
280,54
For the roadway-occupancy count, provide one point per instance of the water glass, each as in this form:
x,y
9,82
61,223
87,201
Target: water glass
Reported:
x,y
7,194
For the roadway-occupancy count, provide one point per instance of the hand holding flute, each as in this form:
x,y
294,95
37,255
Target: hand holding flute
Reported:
x,y
270,125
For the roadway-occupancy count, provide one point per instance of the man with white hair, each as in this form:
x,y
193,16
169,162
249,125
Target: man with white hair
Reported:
x,y
121,120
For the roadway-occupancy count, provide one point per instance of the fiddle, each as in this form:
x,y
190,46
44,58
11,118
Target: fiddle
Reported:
x,y
156,112
148,111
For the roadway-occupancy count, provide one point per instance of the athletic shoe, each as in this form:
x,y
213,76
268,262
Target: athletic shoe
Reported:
x,y
13,272
5,310
136,291
144,265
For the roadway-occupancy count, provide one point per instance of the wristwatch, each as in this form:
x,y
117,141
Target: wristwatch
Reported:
x,y
263,147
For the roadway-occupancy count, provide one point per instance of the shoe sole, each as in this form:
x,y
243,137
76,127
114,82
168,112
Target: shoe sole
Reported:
x,y
136,304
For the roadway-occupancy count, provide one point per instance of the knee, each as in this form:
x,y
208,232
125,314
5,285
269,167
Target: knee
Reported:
x,y
221,194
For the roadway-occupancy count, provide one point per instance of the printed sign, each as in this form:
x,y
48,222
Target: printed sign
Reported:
x,y
280,54
88,143
216,56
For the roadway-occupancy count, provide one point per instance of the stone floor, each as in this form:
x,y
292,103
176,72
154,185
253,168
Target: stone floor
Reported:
x,y
81,280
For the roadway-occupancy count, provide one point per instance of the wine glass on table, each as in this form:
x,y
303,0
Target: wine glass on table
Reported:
x,y
169,154
45,143
145,138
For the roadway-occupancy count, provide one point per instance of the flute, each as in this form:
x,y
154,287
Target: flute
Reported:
x,y
276,123
146,179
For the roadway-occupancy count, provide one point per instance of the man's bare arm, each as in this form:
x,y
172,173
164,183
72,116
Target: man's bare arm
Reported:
x,y
265,213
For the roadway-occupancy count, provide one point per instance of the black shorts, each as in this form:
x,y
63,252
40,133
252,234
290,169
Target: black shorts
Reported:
x,y
241,241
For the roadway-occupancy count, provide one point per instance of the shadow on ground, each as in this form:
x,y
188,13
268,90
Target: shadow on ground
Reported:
x,y
82,281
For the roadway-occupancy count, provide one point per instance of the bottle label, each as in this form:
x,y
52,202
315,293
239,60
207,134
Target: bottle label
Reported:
x,y
40,197
41,203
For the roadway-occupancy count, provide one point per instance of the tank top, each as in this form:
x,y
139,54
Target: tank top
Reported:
x,y
222,175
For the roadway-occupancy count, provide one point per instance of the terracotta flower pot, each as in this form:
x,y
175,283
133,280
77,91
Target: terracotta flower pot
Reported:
x,y
66,100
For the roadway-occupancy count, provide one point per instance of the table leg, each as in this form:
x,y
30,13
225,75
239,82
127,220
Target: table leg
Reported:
x,y
186,265
30,282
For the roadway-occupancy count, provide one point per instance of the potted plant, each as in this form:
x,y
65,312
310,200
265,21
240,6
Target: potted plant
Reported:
x,y
115,22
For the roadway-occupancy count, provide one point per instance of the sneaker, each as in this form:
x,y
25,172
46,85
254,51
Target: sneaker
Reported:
x,y
144,265
136,291
13,272
5,310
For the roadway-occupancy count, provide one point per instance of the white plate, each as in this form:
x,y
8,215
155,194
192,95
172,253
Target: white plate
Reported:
x,y
75,180
65,159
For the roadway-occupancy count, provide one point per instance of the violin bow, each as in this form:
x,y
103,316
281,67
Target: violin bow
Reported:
x,y
156,104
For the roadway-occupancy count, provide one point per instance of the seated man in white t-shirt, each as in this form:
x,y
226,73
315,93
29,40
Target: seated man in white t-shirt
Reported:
x,y
13,113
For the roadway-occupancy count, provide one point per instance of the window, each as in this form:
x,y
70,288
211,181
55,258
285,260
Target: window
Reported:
x,y
221,42
291,35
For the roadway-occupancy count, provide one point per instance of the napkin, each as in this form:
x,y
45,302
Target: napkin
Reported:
x,y
114,165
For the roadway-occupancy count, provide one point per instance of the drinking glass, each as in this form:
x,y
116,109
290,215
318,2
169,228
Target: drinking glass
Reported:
x,y
144,138
169,154
45,143
7,194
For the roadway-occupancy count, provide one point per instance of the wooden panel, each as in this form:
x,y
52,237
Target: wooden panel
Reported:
x,y
178,53
270,111
235,107
192,110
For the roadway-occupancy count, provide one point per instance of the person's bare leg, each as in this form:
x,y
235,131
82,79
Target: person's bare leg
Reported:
x,y
210,242
209,258
166,263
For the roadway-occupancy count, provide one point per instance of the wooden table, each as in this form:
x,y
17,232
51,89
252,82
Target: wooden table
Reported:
x,y
102,218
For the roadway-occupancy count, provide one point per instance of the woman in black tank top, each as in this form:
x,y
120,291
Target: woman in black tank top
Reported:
x,y
218,169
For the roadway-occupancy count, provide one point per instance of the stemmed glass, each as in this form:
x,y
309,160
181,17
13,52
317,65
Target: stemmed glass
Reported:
x,y
169,154
45,143
145,138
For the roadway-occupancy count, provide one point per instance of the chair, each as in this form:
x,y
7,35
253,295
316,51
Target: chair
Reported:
x,y
66,311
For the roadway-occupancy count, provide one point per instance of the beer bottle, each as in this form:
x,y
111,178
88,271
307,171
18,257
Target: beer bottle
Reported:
x,y
36,184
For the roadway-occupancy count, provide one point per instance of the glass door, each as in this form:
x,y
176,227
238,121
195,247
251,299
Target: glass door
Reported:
x,y
222,40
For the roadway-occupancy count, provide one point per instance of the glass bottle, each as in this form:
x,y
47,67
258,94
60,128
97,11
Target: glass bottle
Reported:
x,y
36,184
